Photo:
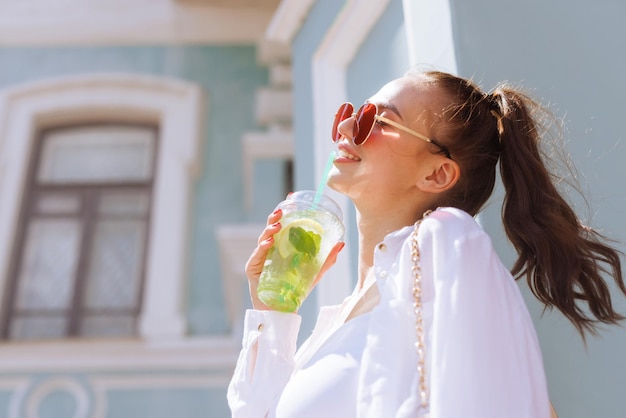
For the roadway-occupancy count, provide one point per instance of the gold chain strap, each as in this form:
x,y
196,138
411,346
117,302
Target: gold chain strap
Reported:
x,y
419,320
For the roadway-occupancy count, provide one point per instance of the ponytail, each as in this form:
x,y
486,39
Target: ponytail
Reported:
x,y
563,261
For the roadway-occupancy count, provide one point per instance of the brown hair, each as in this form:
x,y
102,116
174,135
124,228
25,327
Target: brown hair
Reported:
x,y
562,260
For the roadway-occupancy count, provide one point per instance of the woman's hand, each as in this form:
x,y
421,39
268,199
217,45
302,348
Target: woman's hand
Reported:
x,y
255,263
330,261
254,266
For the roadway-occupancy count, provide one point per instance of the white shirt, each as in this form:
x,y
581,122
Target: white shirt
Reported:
x,y
483,357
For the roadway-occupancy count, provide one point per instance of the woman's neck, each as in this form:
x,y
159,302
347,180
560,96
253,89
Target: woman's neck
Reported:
x,y
373,229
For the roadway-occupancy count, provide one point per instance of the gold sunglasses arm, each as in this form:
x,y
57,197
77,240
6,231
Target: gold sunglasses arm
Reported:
x,y
403,128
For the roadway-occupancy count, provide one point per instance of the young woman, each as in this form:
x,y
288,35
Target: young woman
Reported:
x,y
436,324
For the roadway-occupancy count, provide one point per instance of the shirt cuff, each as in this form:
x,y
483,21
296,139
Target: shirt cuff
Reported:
x,y
279,329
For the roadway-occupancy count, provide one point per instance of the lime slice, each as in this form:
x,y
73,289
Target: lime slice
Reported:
x,y
284,245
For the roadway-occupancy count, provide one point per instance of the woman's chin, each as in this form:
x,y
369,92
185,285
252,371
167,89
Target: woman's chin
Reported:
x,y
345,182
343,188
334,181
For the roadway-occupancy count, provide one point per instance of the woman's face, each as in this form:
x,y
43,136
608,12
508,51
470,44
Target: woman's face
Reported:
x,y
387,165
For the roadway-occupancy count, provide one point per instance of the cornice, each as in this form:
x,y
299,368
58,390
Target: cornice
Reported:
x,y
117,22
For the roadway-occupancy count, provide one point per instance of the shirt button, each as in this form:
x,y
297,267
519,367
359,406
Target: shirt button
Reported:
x,y
382,246
260,327
383,274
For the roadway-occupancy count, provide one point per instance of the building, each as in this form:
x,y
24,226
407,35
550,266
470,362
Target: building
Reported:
x,y
143,144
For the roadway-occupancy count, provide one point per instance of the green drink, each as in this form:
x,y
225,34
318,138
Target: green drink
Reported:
x,y
309,231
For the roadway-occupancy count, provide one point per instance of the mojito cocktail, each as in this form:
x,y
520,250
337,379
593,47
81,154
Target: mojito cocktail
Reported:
x,y
300,248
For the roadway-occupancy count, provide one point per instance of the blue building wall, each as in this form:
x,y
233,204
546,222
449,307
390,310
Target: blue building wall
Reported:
x,y
167,403
569,55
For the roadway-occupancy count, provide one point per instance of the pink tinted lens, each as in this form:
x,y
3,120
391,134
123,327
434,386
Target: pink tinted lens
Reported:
x,y
343,113
365,118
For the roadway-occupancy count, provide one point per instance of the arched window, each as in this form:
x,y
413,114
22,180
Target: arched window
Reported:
x,y
111,174
79,264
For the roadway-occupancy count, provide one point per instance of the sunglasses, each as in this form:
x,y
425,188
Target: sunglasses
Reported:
x,y
365,118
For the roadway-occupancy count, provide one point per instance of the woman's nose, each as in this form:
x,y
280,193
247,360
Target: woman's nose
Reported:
x,y
348,127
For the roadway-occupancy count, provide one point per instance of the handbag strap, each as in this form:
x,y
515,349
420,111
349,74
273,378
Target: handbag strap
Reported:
x,y
417,308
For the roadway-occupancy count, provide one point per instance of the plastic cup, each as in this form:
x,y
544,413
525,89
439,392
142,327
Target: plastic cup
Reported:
x,y
310,229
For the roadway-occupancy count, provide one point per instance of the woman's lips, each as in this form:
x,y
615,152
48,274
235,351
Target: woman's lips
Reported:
x,y
343,153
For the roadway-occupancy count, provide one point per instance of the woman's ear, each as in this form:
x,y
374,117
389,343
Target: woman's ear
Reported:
x,y
441,177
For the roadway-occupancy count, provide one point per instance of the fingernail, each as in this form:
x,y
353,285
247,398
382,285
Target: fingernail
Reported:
x,y
270,239
277,211
274,225
343,244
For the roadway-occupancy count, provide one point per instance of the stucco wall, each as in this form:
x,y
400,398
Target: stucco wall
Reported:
x,y
569,55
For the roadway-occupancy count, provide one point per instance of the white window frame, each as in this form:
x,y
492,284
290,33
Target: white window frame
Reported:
x,y
426,20
177,108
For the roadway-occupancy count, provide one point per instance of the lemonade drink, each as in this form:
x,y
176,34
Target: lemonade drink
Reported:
x,y
309,231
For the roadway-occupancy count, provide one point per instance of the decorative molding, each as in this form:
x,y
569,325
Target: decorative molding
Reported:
x,y
75,389
26,399
427,20
218,354
12,383
345,37
270,52
274,106
90,389
236,243
152,381
120,22
101,384
281,75
263,145
177,108
264,4
287,20
17,398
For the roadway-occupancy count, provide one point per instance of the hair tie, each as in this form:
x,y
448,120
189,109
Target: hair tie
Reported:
x,y
500,125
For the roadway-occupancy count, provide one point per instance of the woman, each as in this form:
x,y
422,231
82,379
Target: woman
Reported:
x,y
423,150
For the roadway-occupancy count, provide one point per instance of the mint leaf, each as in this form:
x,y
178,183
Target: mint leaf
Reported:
x,y
307,242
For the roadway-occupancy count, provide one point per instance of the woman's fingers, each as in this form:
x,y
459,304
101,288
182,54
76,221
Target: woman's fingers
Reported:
x,y
254,266
264,243
255,263
272,226
330,261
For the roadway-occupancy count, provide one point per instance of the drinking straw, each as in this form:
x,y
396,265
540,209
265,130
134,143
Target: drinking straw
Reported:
x,y
322,183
